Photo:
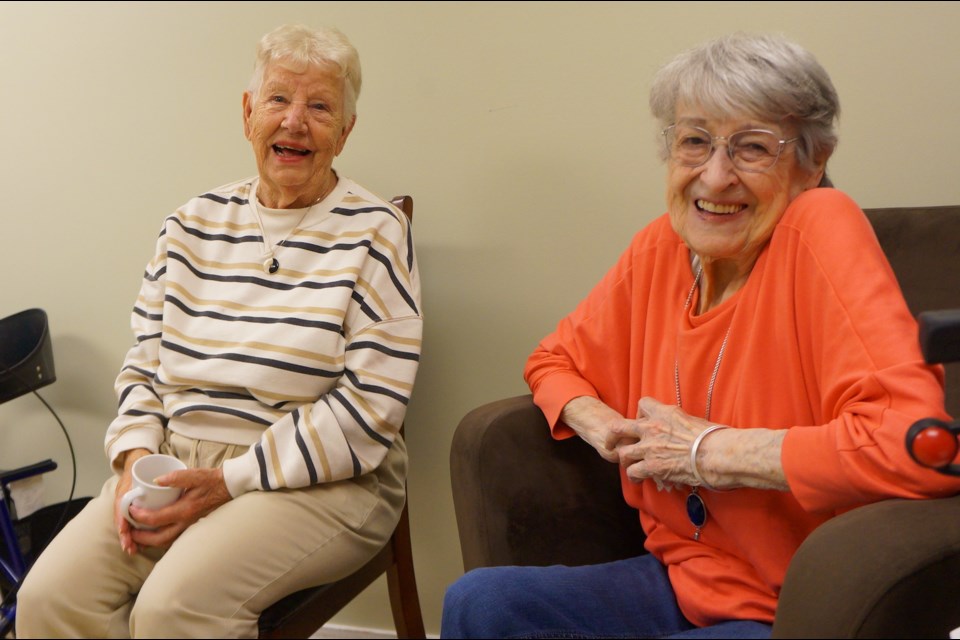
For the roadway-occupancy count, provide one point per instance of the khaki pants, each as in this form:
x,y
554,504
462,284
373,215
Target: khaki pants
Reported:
x,y
223,571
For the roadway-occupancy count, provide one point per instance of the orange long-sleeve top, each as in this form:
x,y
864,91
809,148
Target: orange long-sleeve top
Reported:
x,y
820,342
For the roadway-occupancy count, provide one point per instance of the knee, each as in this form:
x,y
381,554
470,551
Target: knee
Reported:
x,y
472,604
33,603
155,611
188,606
42,589
42,600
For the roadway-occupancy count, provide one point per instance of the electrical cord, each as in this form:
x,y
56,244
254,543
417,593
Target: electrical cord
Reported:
x,y
12,592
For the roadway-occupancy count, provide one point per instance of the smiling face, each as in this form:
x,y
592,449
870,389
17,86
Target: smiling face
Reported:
x,y
295,124
725,214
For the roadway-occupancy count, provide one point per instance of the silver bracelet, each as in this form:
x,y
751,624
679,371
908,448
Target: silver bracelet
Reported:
x,y
693,454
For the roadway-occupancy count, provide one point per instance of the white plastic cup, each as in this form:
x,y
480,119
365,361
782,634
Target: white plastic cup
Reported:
x,y
145,493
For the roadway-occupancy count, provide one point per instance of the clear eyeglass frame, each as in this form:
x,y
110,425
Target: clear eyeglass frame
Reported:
x,y
750,150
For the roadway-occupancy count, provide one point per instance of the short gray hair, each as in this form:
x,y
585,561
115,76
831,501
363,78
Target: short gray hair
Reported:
x,y
297,47
766,76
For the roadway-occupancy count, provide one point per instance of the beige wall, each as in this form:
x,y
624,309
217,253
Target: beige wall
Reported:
x,y
521,129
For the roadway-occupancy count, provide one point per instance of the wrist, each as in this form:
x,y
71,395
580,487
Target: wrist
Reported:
x,y
127,458
695,449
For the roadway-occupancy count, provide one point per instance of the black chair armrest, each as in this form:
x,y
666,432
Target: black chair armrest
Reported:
x,y
890,569
523,498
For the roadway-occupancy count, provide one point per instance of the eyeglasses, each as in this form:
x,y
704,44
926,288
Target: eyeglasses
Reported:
x,y
752,150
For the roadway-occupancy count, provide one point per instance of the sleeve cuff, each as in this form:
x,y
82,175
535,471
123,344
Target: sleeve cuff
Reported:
x,y
135,439
241,474
553,394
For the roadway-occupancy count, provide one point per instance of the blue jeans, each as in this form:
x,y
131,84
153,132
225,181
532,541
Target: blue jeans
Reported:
x,y
624,599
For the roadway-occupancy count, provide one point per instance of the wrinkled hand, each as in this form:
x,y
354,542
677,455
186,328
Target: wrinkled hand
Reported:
x,y
595,423
124,528
203,491
657,444
609,438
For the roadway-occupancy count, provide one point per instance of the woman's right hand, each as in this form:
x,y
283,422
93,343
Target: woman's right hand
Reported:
x,y
124,529
593,421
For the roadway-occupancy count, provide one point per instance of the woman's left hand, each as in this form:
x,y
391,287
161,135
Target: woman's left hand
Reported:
x,y
203,491
657,444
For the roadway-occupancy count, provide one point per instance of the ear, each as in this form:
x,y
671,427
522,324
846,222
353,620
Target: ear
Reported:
x,y
247,111
815,175
345,134
816,178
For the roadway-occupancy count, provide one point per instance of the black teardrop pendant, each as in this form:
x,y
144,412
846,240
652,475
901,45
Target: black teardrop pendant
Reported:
x,y
274,266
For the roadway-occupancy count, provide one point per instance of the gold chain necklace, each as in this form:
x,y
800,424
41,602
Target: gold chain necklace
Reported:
x,y
696,508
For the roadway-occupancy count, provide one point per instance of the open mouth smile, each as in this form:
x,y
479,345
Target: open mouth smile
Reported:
x,y
284,151
717,208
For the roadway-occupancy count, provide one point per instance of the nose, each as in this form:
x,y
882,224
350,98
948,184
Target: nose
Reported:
x,y
294,118
718,171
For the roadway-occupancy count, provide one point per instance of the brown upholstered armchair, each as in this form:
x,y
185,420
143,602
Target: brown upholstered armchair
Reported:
x,y
890,569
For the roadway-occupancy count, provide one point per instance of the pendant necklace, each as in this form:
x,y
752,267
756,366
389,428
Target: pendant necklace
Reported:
x,y
267,258
696,508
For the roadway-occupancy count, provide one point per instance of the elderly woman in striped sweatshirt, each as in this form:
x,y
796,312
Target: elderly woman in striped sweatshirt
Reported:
x,y
278,334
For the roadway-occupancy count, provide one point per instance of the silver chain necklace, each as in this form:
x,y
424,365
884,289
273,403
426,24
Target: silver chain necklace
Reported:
x,y
695,500
267,258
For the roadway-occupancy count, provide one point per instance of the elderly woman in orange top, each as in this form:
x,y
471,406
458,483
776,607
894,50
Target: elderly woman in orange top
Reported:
x,y
749,361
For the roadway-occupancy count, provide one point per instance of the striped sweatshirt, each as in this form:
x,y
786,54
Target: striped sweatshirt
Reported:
x,y
311,367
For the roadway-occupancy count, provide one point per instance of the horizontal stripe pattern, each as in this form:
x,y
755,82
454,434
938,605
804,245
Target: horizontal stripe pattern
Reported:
x,y
312,366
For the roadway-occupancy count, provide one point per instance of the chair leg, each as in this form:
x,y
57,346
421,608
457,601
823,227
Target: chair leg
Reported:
x,y
402,583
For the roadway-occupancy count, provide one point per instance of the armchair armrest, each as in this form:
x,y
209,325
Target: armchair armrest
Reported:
x,y
890,569
523,498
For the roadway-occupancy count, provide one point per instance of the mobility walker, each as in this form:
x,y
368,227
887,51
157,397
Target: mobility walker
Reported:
x,y
26,364
930,442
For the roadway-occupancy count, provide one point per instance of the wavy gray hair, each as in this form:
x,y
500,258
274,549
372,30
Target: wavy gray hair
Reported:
x,y
766,76
297,47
